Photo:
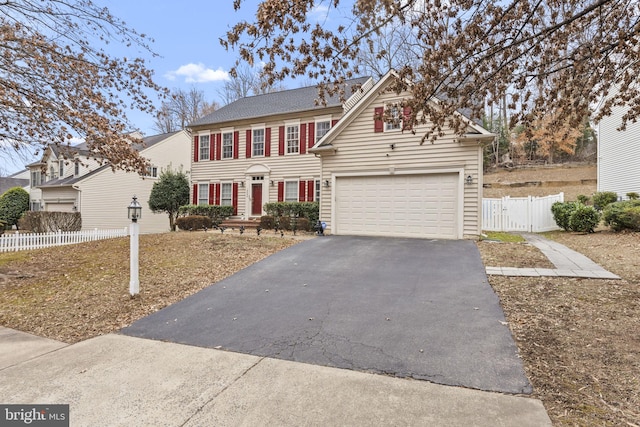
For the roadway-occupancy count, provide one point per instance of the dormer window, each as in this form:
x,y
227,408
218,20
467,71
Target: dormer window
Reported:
x,y
61,169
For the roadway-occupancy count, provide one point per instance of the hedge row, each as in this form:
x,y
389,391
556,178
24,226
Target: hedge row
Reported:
x,y
216,213
308,210
286,223
194,222
49,221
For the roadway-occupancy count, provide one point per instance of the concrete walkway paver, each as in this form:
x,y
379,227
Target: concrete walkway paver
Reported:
x,y
118,380
568,263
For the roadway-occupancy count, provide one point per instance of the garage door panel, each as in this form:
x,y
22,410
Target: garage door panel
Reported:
x,y
397,205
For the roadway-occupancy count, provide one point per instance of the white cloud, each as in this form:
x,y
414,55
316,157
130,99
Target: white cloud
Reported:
x,y
198,73
320,12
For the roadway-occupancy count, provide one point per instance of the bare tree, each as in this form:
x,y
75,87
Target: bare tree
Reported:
x,y
181,109
246,81
57,82
536,53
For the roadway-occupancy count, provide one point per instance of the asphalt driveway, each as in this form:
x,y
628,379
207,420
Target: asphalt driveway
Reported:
x,y
403,307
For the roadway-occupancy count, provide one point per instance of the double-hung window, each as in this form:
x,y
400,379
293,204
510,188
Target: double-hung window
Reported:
x,y
322,128
76,169
35,178
152,172
226,193
227,145
293,139
394,122
258,142
204,147
203,194
291,191
61,169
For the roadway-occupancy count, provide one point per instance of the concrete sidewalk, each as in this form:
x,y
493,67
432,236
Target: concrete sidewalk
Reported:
x,y
568,263
119,380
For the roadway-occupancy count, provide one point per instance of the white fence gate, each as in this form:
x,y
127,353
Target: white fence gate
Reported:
x,y
27,241
528,214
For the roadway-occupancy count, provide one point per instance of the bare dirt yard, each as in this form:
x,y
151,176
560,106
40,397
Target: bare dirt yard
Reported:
x,y
572,179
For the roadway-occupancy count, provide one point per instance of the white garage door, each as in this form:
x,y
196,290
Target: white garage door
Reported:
x,y
398,205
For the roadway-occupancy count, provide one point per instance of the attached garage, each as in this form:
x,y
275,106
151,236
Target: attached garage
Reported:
x,y
407,205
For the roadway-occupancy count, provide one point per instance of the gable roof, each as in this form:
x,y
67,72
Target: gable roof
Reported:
x,y
325,142
147,142
282,102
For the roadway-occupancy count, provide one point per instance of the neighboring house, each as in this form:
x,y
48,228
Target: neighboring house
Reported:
x,y
255,150
100,194
379,180
18,179
618,154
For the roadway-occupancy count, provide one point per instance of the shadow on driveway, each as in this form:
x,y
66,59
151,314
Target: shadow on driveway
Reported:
x,y
403,307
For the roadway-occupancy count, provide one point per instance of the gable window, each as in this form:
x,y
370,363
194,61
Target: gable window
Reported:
x,y
52,172
293,141
291,191
322,128
76,169
204,147
61,169
226,194
394,122
152,171
258,142
227,145
203,194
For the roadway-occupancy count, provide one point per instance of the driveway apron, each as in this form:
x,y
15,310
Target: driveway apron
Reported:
x,y
403,307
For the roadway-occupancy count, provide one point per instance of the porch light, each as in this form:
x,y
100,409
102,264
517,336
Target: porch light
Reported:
x,y
469,179
326,182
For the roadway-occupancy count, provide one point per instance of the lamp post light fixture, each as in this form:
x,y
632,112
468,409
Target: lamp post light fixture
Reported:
x,y
134,212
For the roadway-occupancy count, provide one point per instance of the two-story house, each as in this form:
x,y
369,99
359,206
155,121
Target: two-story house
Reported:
x,y
80,183
256,149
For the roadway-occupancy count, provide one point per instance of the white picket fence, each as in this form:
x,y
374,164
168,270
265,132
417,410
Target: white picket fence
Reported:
x,y
27,241
528,214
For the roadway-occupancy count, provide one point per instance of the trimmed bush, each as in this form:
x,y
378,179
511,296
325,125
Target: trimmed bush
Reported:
x,y
622,215
267,222
584,218
604,198
194,222
302,224
562,213
583,199
283,223
308,210
633,195
13,203
217,213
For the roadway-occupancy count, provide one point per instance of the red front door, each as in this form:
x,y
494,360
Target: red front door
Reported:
x,y
256,199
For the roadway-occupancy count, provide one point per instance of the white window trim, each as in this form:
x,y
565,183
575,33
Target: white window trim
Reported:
x,y
200,184
224,132
287,124
61,168
222,184
297,185
322,119
200,135
398,105
264,139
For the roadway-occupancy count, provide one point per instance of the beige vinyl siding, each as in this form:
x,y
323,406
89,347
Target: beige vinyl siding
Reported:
x,y
278,168
618,155
361,150
105,196
59,199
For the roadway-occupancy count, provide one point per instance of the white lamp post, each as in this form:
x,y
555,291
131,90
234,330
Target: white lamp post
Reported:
x,y
134,213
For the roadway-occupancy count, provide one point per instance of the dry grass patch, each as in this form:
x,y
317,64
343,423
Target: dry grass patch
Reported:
x,y
579,338
72,293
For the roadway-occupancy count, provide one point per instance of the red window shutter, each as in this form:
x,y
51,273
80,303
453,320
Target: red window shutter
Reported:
x,y
280,191
219,146
303,138
234,198
312,134
211,194
236,144
281,141
406,115
195,148
212,146
195,193
301,191
217,198
267,142
311,189
248,144
378,123
333,122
